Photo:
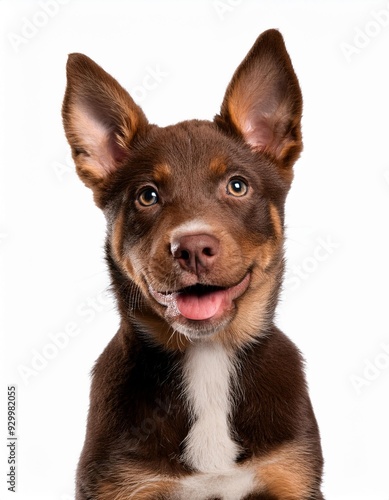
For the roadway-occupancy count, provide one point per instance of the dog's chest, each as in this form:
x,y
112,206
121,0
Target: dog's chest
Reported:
x,y
208,376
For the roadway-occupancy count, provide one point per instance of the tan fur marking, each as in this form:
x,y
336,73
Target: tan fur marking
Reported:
x,y
237,110
269,249
286,472
218,166
276,219
117,237
162,172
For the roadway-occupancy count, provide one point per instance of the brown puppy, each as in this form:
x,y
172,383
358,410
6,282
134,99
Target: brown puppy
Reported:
x,y
199,395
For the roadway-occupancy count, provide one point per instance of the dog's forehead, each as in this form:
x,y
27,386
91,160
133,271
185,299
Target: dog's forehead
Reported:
x,y
187,146
192,158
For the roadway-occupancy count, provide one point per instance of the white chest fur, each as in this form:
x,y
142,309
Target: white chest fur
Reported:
x,y
208,371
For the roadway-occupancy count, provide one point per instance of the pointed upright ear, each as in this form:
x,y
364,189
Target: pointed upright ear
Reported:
x,y
101,121
263,102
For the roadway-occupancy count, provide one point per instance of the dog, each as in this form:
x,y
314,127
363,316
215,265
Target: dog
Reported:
x,y
198,396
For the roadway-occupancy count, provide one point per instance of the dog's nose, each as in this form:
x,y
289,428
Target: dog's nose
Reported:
x,y
196,252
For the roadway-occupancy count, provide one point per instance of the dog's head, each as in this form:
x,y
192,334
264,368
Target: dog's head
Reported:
x,y
194,210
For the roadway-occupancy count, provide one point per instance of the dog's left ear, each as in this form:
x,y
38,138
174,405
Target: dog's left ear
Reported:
x,y
263,102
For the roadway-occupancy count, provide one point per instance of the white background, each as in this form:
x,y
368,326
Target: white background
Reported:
x,y
335,301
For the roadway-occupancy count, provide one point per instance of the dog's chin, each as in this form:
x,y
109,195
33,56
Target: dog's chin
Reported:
x,y
200,312
200,330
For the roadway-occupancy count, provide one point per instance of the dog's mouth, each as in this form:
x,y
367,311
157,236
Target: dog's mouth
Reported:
x,y
201,302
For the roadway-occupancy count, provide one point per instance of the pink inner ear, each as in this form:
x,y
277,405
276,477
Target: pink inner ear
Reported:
x,y
257,132
118,152
104,154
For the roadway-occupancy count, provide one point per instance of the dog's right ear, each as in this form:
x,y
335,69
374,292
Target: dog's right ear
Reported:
x,y
101,121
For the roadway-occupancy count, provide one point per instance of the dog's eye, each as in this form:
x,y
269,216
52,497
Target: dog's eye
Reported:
x,y
148,197
237,187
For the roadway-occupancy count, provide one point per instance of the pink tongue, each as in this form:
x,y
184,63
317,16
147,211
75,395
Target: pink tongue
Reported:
x,y
201,307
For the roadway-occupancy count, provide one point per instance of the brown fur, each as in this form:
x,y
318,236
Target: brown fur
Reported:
x,y
157,186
